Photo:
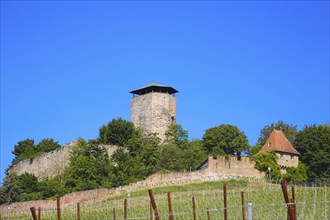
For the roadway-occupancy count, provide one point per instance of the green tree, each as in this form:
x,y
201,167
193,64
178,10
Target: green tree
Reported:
x,y
225,139
116,132
313,143
23,150
267,160
297,174
125,168
254,150
289,130
194,155
20,188
3,196
89,167
47,145
171,157
176,134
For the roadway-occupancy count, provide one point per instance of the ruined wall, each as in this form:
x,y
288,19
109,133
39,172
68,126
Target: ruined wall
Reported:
x,y
242,166
49,164
156,180
154,112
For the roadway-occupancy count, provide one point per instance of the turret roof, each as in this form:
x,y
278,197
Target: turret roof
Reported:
x,y
154,86
278,142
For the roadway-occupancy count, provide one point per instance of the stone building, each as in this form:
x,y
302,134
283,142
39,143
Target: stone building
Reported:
x,y
153,108
287,155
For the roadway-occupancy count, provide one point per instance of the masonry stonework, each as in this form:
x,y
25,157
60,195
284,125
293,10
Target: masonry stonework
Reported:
x,y
49,164
154,112
286,160
218,169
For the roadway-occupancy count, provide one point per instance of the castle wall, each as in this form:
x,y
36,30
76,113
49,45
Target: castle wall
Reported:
x,y
286,160
49,164
154,112
233,166
238,171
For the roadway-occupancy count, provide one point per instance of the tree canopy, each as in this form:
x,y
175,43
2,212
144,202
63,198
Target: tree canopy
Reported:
x,y
89,167
116,132
313,143
26,149
225,139
289,130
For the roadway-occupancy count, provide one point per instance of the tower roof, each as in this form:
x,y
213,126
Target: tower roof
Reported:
x,y
278,142
154,87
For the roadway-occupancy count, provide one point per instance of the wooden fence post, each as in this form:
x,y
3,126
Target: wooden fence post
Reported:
x,y
170,212
225,201
294,203
78,211
208,213
153,203
194,207
125,209
33,212
151,212
290,207
39,213
243,211
58,208
114,213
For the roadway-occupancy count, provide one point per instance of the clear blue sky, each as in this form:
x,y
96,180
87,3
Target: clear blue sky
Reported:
x,y
68,67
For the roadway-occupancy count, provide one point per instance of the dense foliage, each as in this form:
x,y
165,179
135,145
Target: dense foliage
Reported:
x,y
267,160
225,139
139,156
290,131
26,149
89,167
116,132
313,143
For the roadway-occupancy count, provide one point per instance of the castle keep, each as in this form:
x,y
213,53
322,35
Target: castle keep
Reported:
x,y
153,108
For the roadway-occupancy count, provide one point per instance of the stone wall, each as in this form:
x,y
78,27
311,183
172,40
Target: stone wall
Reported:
x,y
286,160
242,166
49,164
218,169
154,112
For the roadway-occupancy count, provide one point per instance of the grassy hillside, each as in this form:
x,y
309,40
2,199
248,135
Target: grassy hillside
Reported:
x,y
313,202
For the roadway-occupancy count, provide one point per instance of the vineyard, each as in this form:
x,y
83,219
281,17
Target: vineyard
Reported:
x,y
201,201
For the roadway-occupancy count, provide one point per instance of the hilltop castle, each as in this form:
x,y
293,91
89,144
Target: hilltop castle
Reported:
x,y
153,109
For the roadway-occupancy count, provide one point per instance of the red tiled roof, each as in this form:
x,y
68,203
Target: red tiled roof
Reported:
x,y
278,142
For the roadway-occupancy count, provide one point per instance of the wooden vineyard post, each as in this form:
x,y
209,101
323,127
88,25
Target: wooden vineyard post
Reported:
x,y
225,201
39,213
78,211
170,212
114,213
153,203
151,212
125,209
208,213
58,208
33,212
243,211
194,207
290,204
294,203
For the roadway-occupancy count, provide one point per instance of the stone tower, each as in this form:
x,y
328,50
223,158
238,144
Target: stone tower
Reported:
x,y
153,108
287,155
